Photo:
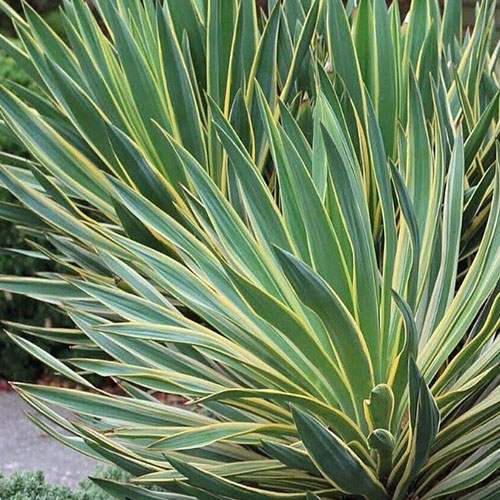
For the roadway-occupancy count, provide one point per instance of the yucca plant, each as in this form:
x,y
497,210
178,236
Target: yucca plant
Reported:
x,y
291,219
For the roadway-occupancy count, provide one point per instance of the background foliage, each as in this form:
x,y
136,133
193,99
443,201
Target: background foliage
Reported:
x,y
32,486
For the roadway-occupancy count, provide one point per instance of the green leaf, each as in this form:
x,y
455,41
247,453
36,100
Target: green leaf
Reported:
x,y
312,496
457,482
180,92
379,407
213,483
79,174
424,425
382,441
123,491
291,457
345,427
204,436
452,223
113,408
49,360
344,334
335,461
451,27
342,52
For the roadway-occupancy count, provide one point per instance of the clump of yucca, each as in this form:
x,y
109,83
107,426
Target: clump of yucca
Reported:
x,y
289,218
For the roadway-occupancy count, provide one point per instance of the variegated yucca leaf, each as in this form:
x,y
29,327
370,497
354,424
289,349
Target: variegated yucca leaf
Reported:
x,y
291,219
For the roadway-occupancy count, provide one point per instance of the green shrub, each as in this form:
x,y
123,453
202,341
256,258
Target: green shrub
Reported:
x,y
11,72
291,220
32,486
54,20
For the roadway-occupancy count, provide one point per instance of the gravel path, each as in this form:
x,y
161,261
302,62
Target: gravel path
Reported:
x,y
23,446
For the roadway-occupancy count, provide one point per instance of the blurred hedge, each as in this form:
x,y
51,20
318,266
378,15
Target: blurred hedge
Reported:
x,y
32,486
42,6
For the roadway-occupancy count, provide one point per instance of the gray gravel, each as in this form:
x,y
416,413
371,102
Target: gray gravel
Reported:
x,y
23,447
